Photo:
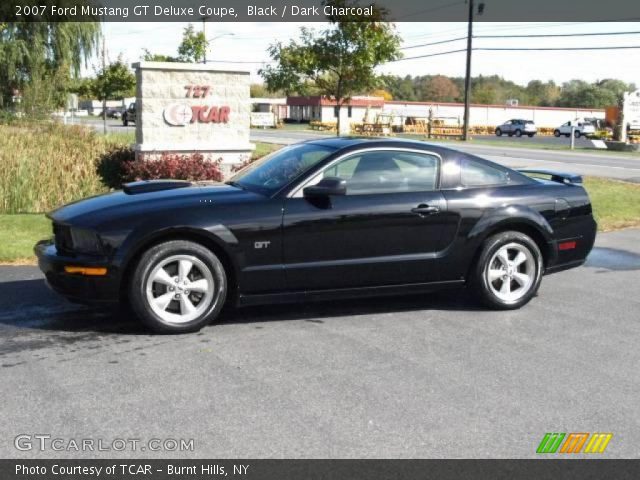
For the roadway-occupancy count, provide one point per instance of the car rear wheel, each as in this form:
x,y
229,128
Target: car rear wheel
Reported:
x,y
530,135
577,134
556,133
518,133
178,286
508,272
498,132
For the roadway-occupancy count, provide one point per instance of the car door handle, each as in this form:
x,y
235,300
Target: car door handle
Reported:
x,y
424,209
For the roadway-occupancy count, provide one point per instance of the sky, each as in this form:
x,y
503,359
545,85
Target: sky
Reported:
x,y
243,46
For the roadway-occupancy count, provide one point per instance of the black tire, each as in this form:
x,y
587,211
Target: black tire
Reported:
x,y
577,134
518,133
556,133
567,135
530,135
125,121
154,257
498,132
479,281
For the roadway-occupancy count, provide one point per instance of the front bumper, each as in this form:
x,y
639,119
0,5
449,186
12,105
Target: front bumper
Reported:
x,y
76,287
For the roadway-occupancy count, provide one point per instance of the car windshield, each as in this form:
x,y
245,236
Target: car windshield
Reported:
x,y
276,170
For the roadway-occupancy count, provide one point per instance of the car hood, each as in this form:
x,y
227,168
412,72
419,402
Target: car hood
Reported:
x,y
145,198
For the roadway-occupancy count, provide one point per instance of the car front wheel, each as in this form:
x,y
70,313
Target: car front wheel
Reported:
x,y
508,272
577,134
556,133
178,286
518,133
498,132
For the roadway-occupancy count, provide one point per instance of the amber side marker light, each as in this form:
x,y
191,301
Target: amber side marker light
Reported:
x,y
93,271
567,246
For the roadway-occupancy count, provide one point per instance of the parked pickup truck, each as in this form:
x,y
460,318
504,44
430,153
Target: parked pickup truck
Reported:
x,y
581,128
129,115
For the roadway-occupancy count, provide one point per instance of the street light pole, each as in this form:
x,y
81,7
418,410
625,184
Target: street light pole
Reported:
x,y
467,79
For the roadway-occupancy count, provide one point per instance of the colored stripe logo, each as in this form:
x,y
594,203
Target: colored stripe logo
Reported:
x,y
573,442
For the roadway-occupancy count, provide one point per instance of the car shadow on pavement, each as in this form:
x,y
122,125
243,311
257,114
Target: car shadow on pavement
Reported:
x,y
41,309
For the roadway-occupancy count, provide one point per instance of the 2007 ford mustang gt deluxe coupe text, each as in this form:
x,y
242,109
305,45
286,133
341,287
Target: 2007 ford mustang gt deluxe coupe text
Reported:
x,y
320,219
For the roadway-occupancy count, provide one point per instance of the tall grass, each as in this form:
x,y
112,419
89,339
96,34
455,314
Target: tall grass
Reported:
x,y
43,166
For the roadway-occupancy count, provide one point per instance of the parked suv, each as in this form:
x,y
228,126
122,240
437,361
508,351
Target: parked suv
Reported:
x,y
581,128
517,127
129,115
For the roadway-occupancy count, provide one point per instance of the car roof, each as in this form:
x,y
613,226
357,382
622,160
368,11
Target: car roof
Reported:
x,y
354,143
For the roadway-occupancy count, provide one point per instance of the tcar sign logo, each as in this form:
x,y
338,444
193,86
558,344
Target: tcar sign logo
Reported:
x,y
178,114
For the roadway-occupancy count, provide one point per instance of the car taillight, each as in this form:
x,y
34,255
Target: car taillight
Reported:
x,y
567,245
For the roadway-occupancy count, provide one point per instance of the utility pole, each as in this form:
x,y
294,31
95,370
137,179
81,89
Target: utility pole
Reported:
x,y
467,78
104,96
204,33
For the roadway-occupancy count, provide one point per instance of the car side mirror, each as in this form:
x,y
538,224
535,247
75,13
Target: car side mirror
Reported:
x,y
326,187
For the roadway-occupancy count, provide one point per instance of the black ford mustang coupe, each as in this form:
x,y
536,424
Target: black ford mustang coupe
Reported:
x,y
320,219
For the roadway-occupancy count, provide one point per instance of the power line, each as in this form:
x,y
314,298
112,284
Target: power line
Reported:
x,y
430,55
434,43
544,35
623,47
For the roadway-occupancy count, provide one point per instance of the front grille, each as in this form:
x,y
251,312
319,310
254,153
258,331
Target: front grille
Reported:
x,y
62,238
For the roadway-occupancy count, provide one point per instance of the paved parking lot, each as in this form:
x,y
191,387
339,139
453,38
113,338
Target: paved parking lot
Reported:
x,y
433,376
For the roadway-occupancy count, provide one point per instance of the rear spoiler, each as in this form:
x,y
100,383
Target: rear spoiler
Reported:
x,y
560,177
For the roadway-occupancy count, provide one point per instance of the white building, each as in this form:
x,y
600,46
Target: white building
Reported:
x,y
323,109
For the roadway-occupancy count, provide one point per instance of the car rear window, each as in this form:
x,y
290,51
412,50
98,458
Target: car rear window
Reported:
x,y
477,174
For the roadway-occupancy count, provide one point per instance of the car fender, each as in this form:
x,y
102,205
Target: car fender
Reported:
x,y
216,234
512,216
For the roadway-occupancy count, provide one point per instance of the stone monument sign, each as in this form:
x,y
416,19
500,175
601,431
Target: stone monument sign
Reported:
x,y
189,108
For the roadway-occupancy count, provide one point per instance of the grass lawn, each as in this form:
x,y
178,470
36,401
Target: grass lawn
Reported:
x,y
263,149
616,205
19,233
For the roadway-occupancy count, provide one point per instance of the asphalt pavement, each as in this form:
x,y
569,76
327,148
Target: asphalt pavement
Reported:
x,y
428,376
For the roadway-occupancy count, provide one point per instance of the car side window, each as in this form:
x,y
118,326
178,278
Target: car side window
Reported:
x,y
383,171
477,174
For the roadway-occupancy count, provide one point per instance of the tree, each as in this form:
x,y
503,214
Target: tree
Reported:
x,y
438,89
193,48
114,82
340,60
381,92
157,57
39,59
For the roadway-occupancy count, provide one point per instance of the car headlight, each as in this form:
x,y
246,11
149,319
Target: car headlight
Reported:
x,y
85,241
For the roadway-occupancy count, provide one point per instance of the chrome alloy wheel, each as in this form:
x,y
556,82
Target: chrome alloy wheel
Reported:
x,y
180,288
511,272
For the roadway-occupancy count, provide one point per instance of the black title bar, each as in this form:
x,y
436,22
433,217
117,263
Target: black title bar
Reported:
x,y
315,10
318,469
